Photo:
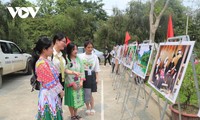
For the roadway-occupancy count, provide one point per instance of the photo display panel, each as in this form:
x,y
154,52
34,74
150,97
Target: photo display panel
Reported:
x,y
169,67
128,60
142,58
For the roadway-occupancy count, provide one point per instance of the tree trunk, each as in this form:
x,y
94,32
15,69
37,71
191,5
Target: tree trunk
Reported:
x,y
154,22
152,35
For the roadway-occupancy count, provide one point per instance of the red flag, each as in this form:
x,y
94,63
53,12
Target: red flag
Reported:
x,y
127,38
170,30
67,40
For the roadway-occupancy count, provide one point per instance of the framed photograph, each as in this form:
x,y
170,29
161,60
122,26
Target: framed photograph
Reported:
x,y
121,51
130,56
142,58
198,113
169,67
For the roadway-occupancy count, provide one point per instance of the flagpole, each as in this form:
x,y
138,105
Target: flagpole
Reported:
x,y
186,31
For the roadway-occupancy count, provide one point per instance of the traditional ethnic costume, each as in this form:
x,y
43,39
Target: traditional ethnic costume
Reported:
x,y
49,104
74,98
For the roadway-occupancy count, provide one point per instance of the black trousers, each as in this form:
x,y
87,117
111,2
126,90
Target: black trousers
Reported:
x,y
113,67
62,83
106,61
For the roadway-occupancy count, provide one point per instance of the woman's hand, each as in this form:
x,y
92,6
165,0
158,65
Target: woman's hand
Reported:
x,y
81,84
62,94
75,86
97,80
97,77
76,73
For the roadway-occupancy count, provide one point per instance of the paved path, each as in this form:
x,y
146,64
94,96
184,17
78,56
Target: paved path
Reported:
x,y
18,103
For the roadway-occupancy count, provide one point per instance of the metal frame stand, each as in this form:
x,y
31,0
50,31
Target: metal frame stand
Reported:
x,y
118,77
138,93
121,83
128,95
181,38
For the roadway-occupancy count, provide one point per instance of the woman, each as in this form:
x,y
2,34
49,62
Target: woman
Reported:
x,y
91,67
73,84
49,104
118,57
59,59
113,54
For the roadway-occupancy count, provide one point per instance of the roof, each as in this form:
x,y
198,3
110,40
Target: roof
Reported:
x,y
6,41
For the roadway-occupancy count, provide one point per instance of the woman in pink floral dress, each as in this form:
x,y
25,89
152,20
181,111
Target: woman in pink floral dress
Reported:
x,y
49,104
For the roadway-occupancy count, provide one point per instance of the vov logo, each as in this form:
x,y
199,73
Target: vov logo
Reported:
x,y
26,10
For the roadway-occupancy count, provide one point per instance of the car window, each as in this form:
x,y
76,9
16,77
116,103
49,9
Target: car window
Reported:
x,y
15,49
81,50
4,48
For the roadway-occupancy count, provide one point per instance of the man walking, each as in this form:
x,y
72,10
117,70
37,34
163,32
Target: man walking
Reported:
x,y
106,56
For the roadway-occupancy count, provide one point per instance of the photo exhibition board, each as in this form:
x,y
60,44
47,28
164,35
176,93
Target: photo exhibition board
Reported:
x,y
142,58
169,68
119,54
130,56
124,53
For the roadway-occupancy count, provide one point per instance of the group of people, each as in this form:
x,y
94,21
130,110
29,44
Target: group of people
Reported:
x,y
115,61
64,74
166,73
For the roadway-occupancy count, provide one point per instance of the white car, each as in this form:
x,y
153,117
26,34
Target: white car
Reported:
x,y
13,59
98,53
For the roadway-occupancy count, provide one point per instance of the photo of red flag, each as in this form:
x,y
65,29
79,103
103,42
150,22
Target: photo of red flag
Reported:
x,y
67,40
127,38
170,30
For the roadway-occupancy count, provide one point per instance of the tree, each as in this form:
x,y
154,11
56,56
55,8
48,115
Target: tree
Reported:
x,y
154,20
3,23
177,11
138,20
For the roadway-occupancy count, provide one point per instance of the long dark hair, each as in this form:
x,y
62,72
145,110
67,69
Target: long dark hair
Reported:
x,y
69,49
42,43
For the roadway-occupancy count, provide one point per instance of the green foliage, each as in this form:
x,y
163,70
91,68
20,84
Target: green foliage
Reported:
x,y
145,58
54,16
84,20
188,93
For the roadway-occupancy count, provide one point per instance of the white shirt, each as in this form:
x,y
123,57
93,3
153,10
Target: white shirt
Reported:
x,y
118,54
90,62
56,60
113,53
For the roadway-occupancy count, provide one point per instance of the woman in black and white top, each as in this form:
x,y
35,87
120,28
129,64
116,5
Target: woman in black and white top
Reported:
x,y
91,66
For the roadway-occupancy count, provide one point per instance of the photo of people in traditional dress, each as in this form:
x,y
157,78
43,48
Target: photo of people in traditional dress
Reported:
x,y
169,67
142,57
126,60
122,51
130,56
125,50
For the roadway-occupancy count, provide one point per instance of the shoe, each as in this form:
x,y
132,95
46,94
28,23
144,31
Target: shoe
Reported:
x,y
74,118
92,112
78,117
87,112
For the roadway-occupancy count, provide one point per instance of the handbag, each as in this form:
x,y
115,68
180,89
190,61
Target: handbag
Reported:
x,y
34,83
